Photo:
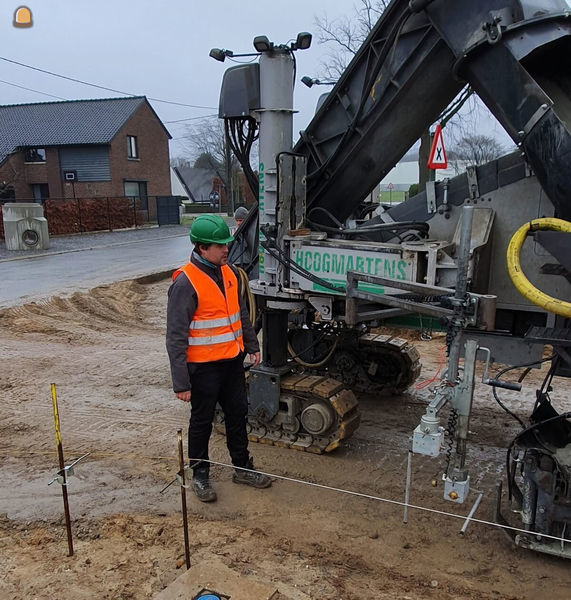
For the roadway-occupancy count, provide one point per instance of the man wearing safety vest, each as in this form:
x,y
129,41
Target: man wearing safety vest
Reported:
x,y
208,334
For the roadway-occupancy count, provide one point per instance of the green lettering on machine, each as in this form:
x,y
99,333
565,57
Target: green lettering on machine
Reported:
x,y
318,262
332,267
261,206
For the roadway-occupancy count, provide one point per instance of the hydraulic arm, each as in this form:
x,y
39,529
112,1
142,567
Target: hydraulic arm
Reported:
x,y
514,54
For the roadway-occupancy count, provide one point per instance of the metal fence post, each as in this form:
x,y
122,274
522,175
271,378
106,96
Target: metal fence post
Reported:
x,y
108,215
79,214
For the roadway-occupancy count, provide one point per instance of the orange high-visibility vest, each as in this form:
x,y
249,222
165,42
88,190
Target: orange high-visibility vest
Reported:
x,y
215,332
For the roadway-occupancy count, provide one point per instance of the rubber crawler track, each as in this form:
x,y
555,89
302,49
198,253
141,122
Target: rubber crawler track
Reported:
x,y
308,390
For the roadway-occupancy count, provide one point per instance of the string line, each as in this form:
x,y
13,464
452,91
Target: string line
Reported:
x,y
328,488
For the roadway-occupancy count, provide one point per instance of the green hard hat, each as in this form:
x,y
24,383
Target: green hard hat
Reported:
x,y
210,229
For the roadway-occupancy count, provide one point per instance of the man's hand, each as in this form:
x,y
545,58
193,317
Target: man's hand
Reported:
x,y
184,396
254,359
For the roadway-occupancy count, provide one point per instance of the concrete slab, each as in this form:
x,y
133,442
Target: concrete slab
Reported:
x,y
213,575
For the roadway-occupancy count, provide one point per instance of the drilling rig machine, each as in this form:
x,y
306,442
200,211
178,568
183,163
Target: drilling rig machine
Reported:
x,y
326,266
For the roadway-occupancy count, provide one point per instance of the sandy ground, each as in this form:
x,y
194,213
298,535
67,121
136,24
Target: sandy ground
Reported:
x,y
105,352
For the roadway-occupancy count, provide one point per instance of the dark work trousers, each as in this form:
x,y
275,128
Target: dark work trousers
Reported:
x,y
220,382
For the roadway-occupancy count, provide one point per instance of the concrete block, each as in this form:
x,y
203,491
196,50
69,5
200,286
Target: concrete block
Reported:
x,y
213,575
25,227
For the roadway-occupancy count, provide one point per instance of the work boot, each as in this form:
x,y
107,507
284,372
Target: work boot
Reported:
x,y
203,490
251,477
201,484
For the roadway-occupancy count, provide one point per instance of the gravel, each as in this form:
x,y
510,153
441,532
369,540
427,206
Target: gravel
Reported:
x,y
85,241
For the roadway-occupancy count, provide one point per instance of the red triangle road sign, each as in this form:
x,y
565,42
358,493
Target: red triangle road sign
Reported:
x,y
437,158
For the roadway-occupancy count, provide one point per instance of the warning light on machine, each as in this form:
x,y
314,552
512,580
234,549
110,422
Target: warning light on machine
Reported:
x,y
23,17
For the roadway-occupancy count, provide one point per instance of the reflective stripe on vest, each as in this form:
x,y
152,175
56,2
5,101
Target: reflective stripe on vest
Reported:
x,y
213,339
206,324
215,332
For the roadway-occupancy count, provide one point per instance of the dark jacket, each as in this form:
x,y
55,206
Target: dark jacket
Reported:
x,y
182,302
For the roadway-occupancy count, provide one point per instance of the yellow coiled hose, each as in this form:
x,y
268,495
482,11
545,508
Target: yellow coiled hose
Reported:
x,y
521,282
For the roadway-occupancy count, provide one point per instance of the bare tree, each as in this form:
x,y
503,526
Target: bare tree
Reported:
x,y
179,161
345,35
206,140
477,149
207,161
207,147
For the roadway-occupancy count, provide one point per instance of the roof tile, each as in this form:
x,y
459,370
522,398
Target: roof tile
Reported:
x,y
64,123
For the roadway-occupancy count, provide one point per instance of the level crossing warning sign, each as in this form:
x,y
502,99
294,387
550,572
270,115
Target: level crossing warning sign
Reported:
x,y
437,157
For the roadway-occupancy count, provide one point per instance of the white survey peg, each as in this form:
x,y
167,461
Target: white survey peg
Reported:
x,y
437,157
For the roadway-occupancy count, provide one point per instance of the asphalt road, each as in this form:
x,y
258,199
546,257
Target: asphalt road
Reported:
x,y
30,279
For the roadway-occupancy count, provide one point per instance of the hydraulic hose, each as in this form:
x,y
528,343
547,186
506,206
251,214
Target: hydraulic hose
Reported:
x,y
521,282
247,293
315,365
251,301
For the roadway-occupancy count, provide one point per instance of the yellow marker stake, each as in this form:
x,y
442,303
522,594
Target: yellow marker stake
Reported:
x,y
56,415
62,470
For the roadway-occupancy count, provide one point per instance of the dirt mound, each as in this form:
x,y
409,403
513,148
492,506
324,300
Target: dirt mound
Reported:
x,y
102,309
105,351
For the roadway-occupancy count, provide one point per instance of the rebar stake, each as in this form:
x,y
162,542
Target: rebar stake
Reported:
x,y
471,513
183,498
407,486
62,471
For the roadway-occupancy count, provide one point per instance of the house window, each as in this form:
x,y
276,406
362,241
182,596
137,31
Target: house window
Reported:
x,y
138,190
132,150
41,192
6,192
35,155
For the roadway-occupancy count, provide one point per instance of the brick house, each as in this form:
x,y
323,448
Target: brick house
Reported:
x,y
109,148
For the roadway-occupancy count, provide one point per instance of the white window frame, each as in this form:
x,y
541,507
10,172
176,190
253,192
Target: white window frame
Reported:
x,y
132,148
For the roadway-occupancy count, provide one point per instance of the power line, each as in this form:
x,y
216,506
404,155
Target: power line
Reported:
x,y
101,87
31,90
190,119
60,98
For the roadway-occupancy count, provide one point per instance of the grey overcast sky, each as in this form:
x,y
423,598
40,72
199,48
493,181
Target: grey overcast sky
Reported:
x,y
158,49
155,48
